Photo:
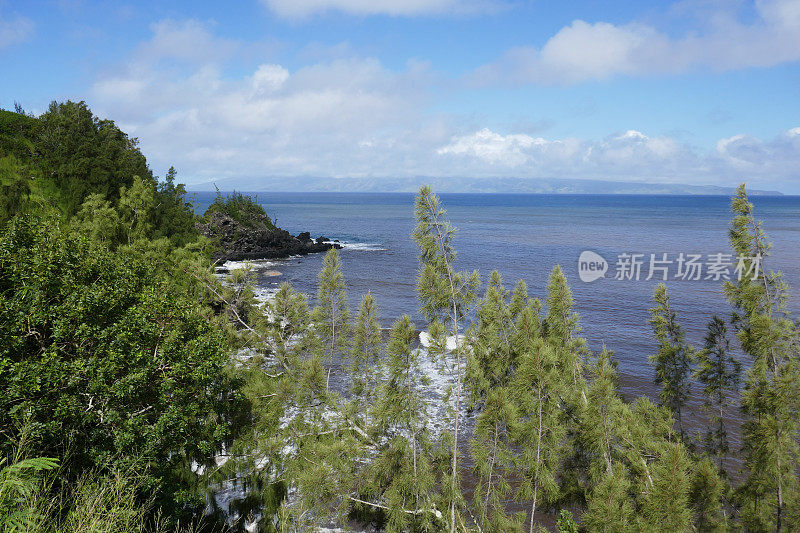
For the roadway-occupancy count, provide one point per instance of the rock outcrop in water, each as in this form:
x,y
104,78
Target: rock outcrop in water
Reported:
x,y
257,239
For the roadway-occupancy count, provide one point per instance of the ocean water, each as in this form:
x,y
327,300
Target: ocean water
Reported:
x,y
524,237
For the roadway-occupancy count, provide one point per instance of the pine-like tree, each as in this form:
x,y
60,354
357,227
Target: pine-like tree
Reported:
x,y
401,476
771,395
364,357
600,421
561,323
719,371
673,362
638,473
562,329
707,493
665,506
492,450
610,508
540,385
331,315
448,294
491,358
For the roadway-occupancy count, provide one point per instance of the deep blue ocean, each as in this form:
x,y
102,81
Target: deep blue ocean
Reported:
x,y
524,236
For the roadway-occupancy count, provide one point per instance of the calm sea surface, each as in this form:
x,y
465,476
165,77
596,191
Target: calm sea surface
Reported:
x,y
524,237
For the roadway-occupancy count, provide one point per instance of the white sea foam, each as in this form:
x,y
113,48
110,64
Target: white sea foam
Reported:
x,y
259,264
425,340
265,294
363,246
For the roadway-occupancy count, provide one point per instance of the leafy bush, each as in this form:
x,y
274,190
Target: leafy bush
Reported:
x,y
107,356
241,208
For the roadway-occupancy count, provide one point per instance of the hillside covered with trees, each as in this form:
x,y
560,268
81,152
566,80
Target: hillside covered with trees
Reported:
x,y
139,392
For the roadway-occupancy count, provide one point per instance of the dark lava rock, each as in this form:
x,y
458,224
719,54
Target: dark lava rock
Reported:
x,y
237,242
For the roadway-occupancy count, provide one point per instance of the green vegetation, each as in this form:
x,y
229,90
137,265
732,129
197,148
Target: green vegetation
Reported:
x,y
140,393
241,208
673,362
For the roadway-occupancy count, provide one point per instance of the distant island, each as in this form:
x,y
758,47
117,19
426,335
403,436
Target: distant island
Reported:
x,y
465,185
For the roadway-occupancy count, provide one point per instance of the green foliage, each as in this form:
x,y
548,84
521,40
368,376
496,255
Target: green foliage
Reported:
x,y
83,154
443,292
332,314
719,371
666,504
364,356
20,480
71,159
98,219
634,463
540,387
401,475
610,508
142,212
562,328
566,523
95,503
173,215
493,359
771,396
107,357
708,492
492,450
242,208
16,133
673,362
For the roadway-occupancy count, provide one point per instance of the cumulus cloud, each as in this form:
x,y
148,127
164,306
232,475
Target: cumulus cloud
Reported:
x,y
628,156
352,116
14,30
505,150
746,155
329,118
304,8
586,51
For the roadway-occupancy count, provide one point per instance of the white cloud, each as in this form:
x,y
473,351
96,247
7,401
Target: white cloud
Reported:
x,y
187,40
584,51
329,118
269,78
14,30
748,156
304,8
630,156
352,116
507,150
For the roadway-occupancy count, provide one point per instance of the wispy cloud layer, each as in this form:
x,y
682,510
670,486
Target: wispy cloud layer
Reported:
x,y
352,116
325,118
631,155
14,30
586,51
303,8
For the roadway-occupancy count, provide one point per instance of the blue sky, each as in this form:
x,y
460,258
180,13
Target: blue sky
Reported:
x,y
694,91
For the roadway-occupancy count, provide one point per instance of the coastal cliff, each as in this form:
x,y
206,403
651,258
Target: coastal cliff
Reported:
x,y
256,238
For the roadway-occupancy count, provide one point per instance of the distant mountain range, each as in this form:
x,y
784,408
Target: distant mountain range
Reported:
x,y
463,185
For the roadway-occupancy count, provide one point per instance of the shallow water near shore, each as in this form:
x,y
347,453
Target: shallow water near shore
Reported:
x,y
524,237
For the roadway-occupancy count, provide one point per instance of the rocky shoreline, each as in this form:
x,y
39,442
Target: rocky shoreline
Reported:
x,y
238,242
